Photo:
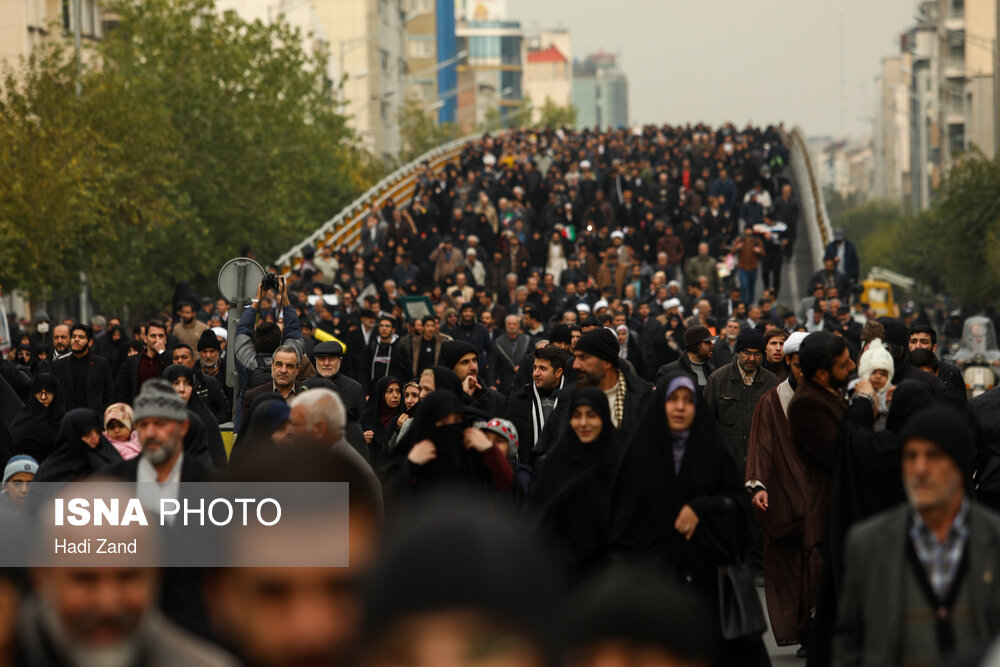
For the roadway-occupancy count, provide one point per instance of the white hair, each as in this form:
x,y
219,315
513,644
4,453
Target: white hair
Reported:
x,y
322,405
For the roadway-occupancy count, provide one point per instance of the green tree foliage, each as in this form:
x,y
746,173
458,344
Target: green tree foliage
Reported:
x,y
554,116
421,132
196,132
952,248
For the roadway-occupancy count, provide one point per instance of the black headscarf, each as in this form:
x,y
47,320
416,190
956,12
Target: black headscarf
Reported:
x,y
36,427
256,438
380,418
212,437
446,380
571,493
72,458
453,463
647,495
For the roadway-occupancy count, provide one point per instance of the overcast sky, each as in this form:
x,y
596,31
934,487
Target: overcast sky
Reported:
x,y
739,60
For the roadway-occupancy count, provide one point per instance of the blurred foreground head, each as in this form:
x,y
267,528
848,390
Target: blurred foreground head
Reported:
x,y
457,585
635,616
276,616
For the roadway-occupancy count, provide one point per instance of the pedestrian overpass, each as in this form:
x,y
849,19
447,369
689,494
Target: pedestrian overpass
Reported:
x,y
815,232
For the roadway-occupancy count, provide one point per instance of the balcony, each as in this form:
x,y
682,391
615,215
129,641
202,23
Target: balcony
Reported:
x,y
953,68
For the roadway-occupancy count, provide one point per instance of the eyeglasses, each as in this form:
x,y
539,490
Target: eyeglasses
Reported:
x,y
45,392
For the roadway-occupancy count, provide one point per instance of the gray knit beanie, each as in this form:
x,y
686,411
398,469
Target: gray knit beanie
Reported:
x,y
158,399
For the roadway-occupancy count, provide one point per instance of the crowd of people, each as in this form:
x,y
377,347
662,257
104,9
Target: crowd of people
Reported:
x,y
577,431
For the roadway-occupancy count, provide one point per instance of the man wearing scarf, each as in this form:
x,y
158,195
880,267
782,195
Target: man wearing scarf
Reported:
x,y
386,357
597,365
531,405
774,479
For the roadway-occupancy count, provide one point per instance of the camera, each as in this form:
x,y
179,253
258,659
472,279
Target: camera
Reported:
x,y
270,281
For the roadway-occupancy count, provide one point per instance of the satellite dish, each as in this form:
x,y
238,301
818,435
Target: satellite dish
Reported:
x,y
239,278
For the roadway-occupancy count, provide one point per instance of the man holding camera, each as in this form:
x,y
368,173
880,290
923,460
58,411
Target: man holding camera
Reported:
x,y
257,338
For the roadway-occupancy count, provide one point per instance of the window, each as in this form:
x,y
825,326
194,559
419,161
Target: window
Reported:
x,y
957,8
956,138
421,46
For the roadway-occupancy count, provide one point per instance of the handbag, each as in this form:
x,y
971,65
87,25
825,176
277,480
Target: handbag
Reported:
x,y
739,607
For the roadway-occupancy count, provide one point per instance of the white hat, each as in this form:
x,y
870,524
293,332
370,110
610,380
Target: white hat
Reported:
x,y
583,307
618,234
671,303
793,343
603,303
875,358
584,164
220,332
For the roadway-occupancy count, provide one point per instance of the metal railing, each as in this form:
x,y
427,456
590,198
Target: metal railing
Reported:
x,y
811,202
344,229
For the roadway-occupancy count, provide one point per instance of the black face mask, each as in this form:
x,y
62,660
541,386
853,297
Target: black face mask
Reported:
x,y
448,436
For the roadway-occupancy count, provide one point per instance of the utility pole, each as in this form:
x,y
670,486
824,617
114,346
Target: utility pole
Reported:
x,y
78,46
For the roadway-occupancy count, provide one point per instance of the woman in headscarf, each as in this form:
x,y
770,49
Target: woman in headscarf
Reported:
x,y
439,452
36,427
81,450
439,378
570,497
119,429
266,430
182,379
677,497
378,421
628,350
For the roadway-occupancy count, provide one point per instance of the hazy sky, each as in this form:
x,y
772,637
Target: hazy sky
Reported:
x,y
739,60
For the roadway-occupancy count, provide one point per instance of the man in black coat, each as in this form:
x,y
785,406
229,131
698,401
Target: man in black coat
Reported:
x,y
699,344
922,336
84,378
597,365
462,358
328,358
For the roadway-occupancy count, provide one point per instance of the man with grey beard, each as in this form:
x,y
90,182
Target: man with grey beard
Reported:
x,y
162,420
104,617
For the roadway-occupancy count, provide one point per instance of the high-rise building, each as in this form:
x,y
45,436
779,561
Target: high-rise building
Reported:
x,y
367,40
600,92
937,99
548,69
491,76
432,56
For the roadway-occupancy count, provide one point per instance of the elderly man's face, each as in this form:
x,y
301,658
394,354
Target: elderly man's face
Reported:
x,y
97,612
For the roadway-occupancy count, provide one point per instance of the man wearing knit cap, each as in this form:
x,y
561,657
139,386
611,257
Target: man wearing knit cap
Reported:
x,y
920,581
732,392
699,344
774,482
463,358
597,364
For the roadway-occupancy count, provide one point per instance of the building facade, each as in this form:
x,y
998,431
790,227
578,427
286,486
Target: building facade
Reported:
x,y
367,41
600,92
432,56
492,75
548,69
937,99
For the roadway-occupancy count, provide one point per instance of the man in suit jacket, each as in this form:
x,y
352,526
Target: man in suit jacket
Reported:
x,y
85,378
920,582
285,364
508,351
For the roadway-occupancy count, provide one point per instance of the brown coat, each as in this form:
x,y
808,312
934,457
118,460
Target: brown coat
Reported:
x,y
748,253
620,274
814,417
773,461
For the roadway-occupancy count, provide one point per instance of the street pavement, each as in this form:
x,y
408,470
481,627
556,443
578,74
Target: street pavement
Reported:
x,y
780,655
